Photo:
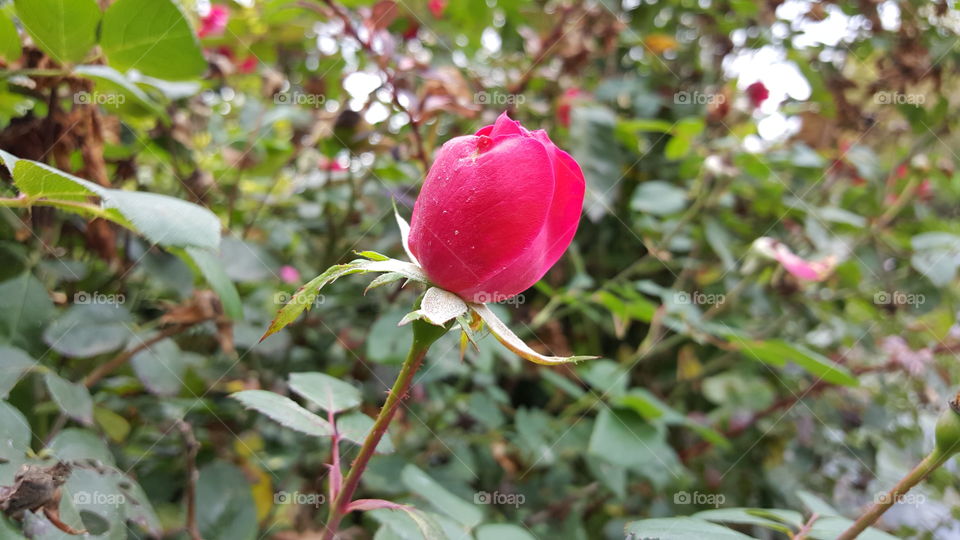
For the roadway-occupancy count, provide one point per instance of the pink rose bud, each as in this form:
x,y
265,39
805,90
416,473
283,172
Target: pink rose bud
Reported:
x,y
215,22
289,274
496,211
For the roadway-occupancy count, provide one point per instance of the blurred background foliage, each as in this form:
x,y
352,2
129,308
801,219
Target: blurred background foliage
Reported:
x,y
727,381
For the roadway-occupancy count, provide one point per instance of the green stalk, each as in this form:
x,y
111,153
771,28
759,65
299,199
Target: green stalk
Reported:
x,y
424,335
947,437
929,464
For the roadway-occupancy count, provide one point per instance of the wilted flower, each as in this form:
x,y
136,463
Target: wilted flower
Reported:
x,y
797,266
496,211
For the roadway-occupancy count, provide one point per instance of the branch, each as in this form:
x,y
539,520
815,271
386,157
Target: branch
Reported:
x,y
190,441
108,367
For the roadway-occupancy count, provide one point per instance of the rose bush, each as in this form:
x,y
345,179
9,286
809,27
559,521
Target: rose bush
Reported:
x,y
496,211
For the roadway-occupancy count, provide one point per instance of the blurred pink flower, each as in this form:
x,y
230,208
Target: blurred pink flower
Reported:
x,y
565,105
796,265
289,274
215,22
914,361
437,7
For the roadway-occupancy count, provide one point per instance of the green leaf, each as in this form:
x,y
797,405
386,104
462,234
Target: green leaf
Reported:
x,y
658,198
160,367
680,528
153,37
355,426
408,522
622,438
830,528
164,220
419,482
15,434
25,307
86,330
816,505
66,30
388,343
225,505
307,294
776,352
10,49
598,153
73,399
109,79
75,444
14,363
284,411
651,408
936,255
503,531
325,391
35,179
115,426
213,271
771,519
14,430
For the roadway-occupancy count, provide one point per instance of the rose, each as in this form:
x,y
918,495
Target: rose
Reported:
x,y
496,211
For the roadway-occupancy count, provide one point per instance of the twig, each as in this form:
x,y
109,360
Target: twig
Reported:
x,y
424,334
190,441
390,74
545,49
929,464
108,367
815,388
807,527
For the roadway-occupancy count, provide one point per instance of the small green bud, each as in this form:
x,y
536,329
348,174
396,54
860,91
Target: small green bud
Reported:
x,y
948,429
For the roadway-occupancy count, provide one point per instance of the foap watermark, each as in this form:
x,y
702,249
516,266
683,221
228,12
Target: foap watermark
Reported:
x,y
99,98
898,298
484,297
514,499
99,498
698,98
300,499
912,499
700,499
299,98
498,98
899,98
284,298
98,298
697,298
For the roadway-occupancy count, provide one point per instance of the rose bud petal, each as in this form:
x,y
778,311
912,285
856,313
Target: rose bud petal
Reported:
x,y
496,211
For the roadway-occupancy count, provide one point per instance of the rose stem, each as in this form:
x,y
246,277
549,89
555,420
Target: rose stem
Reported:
x,y
424,334
929,464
